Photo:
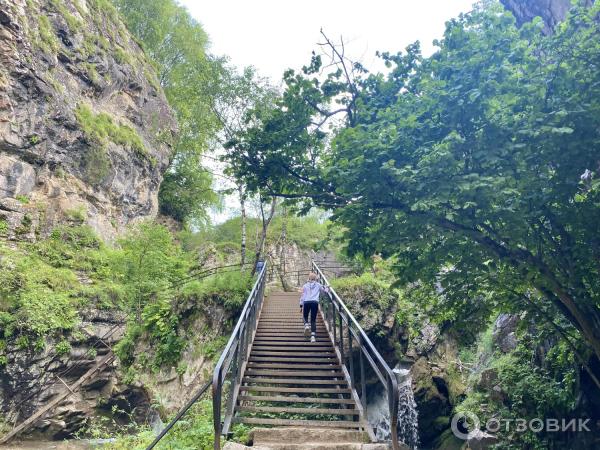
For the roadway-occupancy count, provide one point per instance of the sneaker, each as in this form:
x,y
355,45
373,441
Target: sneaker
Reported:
x,y
313,338
306,330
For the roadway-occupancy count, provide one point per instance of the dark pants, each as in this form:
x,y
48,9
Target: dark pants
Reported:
x,y
312,308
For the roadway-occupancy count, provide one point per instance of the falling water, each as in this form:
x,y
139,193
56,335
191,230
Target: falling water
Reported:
x,y
378,416
408,427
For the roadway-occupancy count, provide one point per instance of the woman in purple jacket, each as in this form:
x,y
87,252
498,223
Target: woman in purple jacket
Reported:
x,y
309,304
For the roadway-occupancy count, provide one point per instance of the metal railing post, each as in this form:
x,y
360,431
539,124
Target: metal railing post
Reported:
x,y
342,338
351,357
234,357
368,353
363,383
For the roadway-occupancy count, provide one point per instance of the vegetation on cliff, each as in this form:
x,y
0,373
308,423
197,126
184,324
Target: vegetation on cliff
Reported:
x,y
45,284
190,77
464,185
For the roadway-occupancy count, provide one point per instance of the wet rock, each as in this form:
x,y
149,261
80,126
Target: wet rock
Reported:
x,y
504,332
480,440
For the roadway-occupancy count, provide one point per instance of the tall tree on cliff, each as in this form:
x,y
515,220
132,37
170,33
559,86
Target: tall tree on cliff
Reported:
x,y
191,79
481,159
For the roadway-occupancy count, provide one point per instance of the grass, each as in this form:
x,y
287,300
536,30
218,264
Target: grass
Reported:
x,y
101,128
73,22
47,41
23,199
3,227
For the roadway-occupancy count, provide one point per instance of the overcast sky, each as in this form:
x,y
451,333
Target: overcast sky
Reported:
x,y
274,35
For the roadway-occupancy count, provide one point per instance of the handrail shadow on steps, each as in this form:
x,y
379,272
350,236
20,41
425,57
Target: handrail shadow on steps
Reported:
x,y
346,332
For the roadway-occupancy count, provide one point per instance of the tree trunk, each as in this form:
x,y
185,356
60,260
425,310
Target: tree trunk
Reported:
x,y
266,221
282,261
243,212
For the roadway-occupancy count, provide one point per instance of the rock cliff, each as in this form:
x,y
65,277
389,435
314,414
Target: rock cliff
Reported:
x,y
551,11
84,127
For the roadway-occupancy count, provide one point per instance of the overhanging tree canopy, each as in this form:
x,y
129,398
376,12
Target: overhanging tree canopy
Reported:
x,y
482,159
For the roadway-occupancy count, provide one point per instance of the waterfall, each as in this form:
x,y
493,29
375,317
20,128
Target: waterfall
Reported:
x,y
378,416
408,426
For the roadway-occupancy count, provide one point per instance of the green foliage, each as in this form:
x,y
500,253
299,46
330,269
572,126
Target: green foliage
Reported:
x,y
161,323
125,348
213,348
35,296
476,168
23,199
46,40
185,193
196,432
63,348
229,289
73,22
177,45
40,291
308,233
3,227
527,391
122,56
101,128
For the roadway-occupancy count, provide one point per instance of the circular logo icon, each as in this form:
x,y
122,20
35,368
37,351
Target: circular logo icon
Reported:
x,y
463,425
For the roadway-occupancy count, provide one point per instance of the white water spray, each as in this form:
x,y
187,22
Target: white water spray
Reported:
x,y
378,416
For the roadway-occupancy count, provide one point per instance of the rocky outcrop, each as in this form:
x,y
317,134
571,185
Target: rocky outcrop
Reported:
x,y
437,381
32,377
551,11
84,126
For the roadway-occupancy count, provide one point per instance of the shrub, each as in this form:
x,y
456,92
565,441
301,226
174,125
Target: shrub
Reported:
x,y
63,348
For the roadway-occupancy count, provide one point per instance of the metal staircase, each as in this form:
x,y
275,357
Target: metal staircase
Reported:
x,y
269,375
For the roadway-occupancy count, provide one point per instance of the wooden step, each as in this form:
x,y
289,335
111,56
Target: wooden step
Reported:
x,y
296,390
277,365
294,373
279,409
294,360
295,335
295,348
286,339
262,380
286,399
299,344
297,422
329,354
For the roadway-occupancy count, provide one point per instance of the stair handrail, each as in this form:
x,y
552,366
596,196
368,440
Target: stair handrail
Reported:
x,y
338,315
233,360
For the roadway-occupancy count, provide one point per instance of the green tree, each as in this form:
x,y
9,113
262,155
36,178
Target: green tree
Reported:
x,y
476,167
191,79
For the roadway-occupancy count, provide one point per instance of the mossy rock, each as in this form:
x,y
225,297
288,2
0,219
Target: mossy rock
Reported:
x,y
447,441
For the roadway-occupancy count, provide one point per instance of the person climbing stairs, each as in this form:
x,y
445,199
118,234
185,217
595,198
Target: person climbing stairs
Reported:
x,y
272,378
290,381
